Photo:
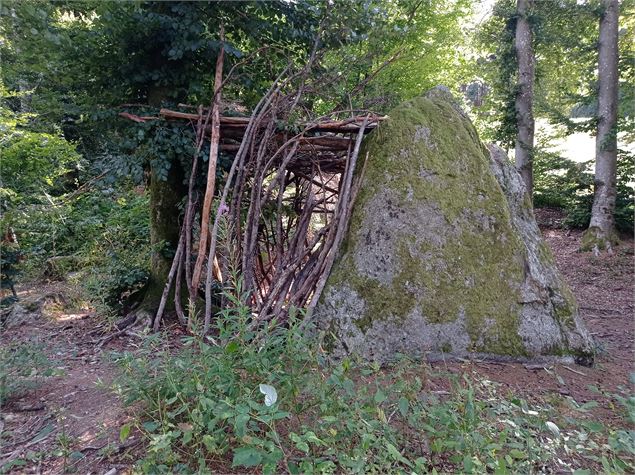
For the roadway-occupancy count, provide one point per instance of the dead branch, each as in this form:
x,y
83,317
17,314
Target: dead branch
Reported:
x,y
211,170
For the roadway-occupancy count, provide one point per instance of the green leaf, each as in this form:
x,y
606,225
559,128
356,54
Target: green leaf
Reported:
x,y
232,347
468,464
314,439
517,454
246,457
43,433
588,405
404,405
240,425
124,432
393,452
379,397
299,443
209,443
593,426
396,455
150,426
170,401
501,468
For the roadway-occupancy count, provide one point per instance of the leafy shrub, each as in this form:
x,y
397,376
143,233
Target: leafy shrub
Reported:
x,y
35,166
114,228
205,406
105,231
101,229
33,163
562,183
558,181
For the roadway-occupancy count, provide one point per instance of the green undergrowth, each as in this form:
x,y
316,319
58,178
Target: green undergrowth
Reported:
x,y
567,185
202,410
97,241
23,367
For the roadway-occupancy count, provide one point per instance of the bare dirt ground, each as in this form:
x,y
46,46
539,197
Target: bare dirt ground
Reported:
x,y
71,422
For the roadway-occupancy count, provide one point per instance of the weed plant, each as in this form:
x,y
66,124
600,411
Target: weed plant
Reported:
x,y
203,411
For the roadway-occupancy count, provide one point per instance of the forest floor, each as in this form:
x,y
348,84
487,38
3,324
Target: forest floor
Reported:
x,y
71,422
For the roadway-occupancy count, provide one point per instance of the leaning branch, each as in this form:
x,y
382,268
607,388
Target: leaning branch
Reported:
x,y
211,171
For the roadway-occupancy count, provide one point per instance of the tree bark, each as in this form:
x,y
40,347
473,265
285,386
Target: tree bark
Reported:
x,y
601,233
525,95
165,196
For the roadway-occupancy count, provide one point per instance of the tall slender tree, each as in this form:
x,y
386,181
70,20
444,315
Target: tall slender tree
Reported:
x,y
525,93
601,233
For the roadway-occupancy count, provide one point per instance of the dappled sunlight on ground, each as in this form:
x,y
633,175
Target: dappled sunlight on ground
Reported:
x,y
65,317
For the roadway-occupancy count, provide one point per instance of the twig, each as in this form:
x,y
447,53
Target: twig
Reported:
x,y
343,220
574,371
168,285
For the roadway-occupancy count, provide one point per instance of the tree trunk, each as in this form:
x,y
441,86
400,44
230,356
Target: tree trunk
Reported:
x,y
525,95
165,196
601,232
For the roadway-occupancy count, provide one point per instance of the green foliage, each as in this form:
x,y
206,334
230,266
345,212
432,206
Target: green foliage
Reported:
x,y
559,182
115,250
104,231
32,163
566,66
22,367
406,47
565,184
203,406
35,166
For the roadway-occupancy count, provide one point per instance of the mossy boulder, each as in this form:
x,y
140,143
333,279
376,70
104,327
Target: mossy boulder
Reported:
x,y
443,255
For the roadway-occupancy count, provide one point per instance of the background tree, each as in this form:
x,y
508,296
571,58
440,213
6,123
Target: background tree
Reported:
x,y
600,234
525,95
565,97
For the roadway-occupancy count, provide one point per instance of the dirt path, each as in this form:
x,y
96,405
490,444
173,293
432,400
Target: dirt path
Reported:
x,y
72,421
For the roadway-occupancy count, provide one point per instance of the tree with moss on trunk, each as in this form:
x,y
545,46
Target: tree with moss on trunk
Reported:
x,y
601,233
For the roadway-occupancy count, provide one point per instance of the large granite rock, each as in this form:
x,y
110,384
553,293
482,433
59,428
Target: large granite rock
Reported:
x,y
443,255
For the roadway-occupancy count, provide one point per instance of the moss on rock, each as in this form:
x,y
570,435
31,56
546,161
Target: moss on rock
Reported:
x,y
434,258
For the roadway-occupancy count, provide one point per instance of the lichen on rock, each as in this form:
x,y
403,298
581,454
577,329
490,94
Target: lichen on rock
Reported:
x,y
443,254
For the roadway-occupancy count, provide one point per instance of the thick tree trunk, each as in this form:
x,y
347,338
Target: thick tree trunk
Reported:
x,y
165,196
525,95
601,233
